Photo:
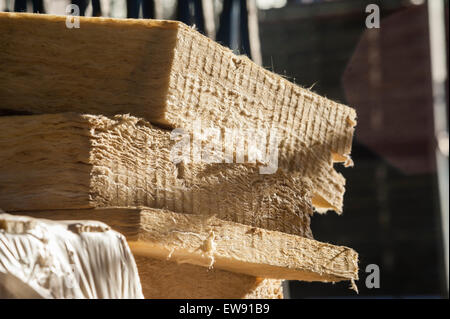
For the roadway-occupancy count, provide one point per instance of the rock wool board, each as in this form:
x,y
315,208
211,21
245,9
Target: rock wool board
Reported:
x,y
210,242
71,161
162,279
67,259
171,75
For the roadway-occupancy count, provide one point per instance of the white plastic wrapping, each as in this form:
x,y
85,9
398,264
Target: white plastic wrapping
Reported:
x,y
70,259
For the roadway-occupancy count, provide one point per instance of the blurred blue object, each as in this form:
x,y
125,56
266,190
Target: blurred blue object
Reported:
x,y
191,13
82,4
133,7
233,28
21,6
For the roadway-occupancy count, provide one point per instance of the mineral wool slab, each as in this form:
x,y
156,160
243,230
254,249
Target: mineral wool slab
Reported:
x,y
71,161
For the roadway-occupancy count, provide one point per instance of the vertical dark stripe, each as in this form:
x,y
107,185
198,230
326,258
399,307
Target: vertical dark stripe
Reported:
x,y
183,11
38,6
96,8
82,5
223,34
191,13
20,5
199,16
233,29
148,9
133,9
245,40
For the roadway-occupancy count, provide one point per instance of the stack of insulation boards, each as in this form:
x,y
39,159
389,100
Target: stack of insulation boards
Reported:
x,y
91,119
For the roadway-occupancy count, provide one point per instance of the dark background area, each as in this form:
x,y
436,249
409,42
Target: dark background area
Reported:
x,y
391,209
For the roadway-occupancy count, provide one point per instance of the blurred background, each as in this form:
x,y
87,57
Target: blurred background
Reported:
x,y
394,74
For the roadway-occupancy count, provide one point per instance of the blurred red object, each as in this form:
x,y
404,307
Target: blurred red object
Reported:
x,y
388,81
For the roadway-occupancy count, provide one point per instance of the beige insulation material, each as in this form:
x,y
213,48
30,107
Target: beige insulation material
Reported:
x,y
210,242
171,75
71,161
66,259
163,279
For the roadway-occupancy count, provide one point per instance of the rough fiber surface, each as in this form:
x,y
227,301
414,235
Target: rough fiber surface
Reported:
x,y
69,161
313,131
169,280
210,242
71,259
171,75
